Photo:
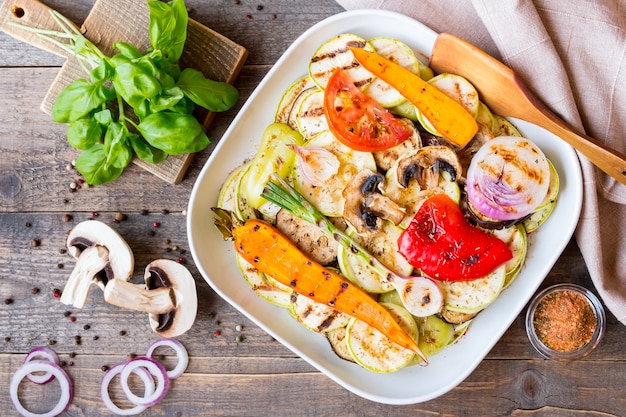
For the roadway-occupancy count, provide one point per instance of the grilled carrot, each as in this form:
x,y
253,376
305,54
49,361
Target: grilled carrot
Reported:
x,y
447,116
263,246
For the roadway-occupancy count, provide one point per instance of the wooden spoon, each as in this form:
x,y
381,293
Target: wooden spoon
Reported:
x,y
505,94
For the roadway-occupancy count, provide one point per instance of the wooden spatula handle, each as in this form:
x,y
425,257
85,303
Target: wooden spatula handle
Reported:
x,y
607,159
29,13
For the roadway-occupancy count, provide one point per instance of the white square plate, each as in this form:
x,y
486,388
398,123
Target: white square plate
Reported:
x,y
215,258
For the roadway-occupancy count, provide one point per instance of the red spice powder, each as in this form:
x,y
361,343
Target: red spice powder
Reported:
x,y
564,321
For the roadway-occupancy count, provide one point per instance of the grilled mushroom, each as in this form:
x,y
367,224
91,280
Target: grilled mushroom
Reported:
x,y
101,255
426,165
365,207
168,296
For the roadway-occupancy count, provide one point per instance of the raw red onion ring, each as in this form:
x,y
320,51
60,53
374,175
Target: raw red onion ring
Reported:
x,y
156,369
181,353
37,365
106,398
47,354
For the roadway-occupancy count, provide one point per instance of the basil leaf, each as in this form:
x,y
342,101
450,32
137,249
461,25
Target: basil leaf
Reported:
x,y
214,96
104,117
84,133
174,133
134,84
168,27
184,106
166,100
103,72
78,99
145,151
91,165
118,151
127,50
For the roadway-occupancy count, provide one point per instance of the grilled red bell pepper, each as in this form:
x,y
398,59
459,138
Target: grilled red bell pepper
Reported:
x,y
442,244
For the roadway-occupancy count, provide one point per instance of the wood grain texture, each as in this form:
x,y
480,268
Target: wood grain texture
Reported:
x,y
257,376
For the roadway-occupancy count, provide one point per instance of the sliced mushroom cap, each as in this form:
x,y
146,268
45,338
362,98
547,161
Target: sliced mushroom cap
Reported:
x,y
101,255
170,274
426,164
365,207
93,232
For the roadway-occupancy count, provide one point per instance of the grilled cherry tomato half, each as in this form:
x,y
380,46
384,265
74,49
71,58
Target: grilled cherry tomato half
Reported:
x,y
442,244
357,120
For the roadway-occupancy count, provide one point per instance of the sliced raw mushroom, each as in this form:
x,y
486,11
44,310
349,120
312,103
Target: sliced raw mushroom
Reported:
x,y
168,296
365,207
426,165
101,256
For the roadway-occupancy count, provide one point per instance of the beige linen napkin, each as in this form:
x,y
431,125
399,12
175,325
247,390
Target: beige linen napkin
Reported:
x,y
572,54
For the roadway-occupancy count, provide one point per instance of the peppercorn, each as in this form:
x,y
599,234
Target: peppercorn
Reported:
x,y
122,333
67,217
8,301
86,327
56,293
35,242
35,290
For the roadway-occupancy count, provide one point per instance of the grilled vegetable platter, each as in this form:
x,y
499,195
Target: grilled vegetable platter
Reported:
x,y
382,232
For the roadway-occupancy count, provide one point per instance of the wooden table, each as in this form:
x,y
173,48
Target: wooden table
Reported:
x,y
253,376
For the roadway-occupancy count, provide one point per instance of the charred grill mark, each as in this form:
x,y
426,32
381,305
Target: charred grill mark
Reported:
x,y
326,323
339,51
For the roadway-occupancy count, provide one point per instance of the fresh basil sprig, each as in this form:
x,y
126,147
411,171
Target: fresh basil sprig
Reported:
x,y
135,103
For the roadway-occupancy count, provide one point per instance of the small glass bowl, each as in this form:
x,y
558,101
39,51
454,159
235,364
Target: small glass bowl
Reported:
x,y
581,351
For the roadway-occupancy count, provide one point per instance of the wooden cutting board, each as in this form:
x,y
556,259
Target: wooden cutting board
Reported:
x,y
111,21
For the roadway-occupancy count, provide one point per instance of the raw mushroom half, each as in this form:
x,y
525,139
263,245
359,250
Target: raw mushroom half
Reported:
x,y
101,255
168,296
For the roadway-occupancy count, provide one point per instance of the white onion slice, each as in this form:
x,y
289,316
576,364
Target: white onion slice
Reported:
x,y
106,398
317,165
38,365
156,369
508,178
181,353
46,354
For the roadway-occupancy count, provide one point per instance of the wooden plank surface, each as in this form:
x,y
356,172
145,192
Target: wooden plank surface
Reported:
x,y
256,376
